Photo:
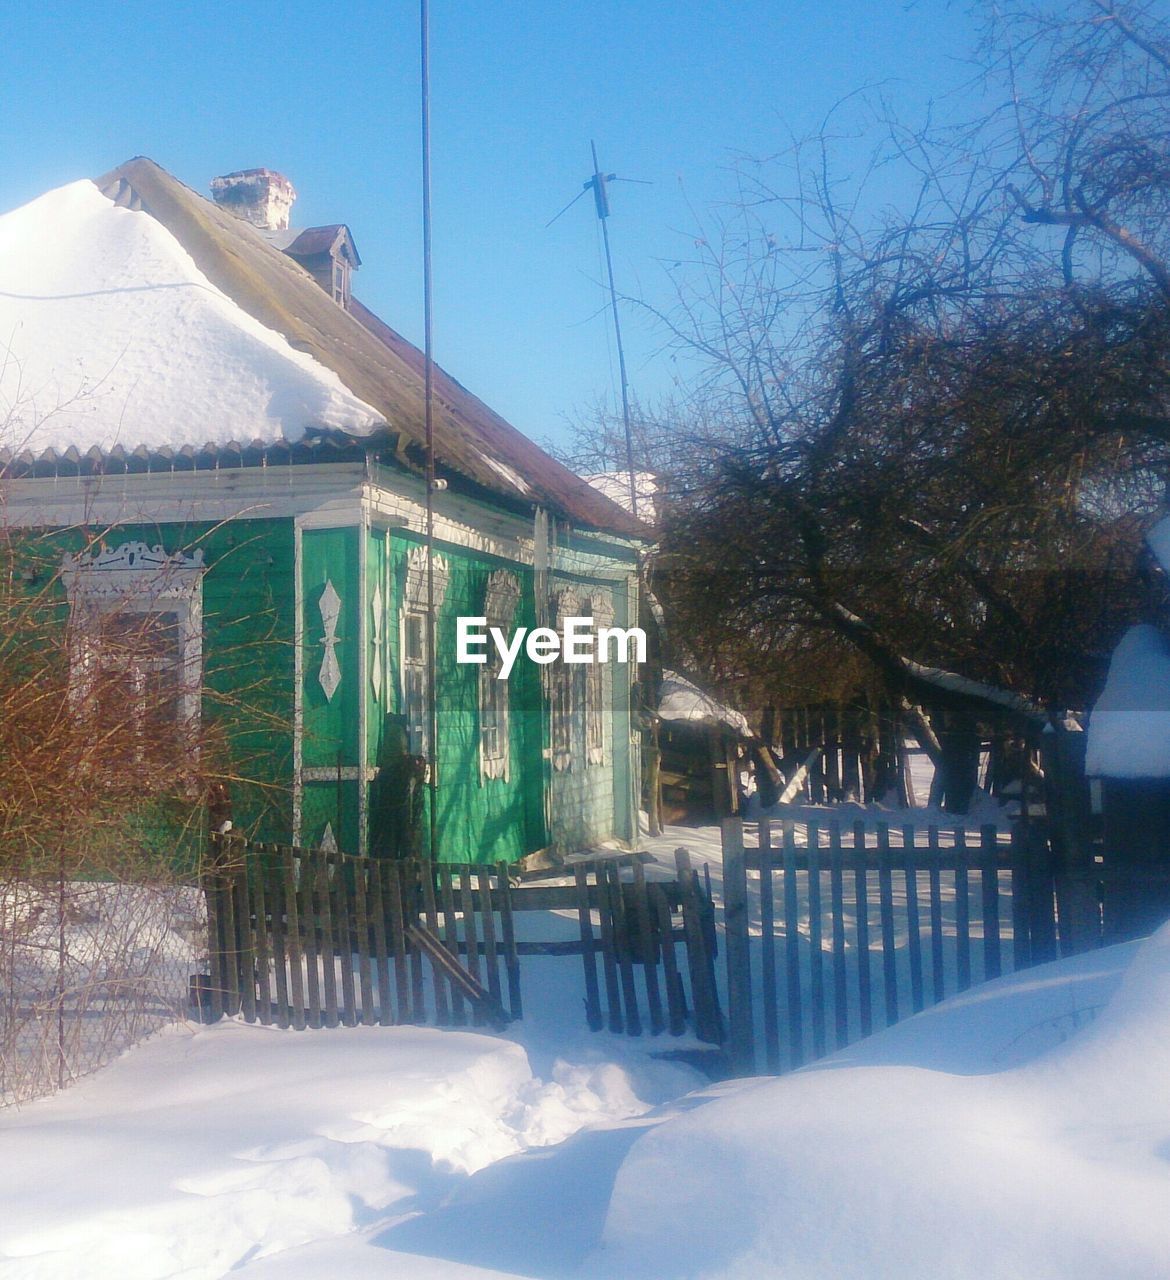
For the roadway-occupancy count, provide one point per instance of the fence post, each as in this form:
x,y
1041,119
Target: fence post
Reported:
x,y
1063,754
735,923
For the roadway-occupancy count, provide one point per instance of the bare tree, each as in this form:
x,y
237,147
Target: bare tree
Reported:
x,y
940,433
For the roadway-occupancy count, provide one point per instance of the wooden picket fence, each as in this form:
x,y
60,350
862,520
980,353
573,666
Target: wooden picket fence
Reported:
x,y
639,932
309,938
937,909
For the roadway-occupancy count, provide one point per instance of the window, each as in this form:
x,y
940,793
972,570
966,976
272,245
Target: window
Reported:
x,y
564,692
340,289
136,648
415,626
597,677
499,607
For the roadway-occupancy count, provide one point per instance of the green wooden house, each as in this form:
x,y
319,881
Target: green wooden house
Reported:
x,y
208,433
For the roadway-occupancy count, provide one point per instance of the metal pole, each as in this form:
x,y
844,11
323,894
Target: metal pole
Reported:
x,y
598,188
429,365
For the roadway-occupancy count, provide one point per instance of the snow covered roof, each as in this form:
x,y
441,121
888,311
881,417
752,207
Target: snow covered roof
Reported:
x,y
1129,729
113,336
142,314
616,487
679,699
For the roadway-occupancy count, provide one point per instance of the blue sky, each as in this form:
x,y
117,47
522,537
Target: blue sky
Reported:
x,y
328,94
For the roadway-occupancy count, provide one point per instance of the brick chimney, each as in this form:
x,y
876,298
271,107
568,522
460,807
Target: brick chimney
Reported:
x,y
262,197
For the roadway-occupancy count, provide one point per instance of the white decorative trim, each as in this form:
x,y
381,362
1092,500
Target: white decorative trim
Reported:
x,y
413,669
329,676
363,659
598,685
377,640
328,841
155,569
331,773
563,695
415,593
501,599
142,579
298,679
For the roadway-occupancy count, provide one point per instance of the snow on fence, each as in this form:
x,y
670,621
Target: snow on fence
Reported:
x,y
87,969
834,930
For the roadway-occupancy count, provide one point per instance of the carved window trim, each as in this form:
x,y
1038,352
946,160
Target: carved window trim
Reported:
x,y
565,689
598,684
501,600
141,580
413,628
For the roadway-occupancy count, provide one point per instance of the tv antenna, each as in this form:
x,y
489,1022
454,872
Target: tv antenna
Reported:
x,y
599,185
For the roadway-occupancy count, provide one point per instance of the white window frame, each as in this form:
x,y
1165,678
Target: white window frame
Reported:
x,y
413,667
598,685
564,695
136,579
501,599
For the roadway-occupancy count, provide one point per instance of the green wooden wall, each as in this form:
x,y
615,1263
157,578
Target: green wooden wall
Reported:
x,y
479,819
248,668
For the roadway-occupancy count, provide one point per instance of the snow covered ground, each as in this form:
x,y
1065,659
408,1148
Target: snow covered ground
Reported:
x,y
1021,1130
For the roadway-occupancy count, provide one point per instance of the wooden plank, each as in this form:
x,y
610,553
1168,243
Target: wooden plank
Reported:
x,y
511,955
323,880
770,990
675,1004
396,927
861,895
920,859
913,924
451,939
263,946
377,905
816,956
649,948
792,949
735,924
621,942
1021,899
608,956
585,926
217,960
310,936
962,911
938,973
431,913
989,868
470,939
363,938
293,939
426,943
837,908
554,897
245,951
889,940
707,1021
411,871
231,947
342,918
491,951
274,887
561,948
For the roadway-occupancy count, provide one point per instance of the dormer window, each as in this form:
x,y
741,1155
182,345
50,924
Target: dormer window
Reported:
x,y
328,254
341,270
